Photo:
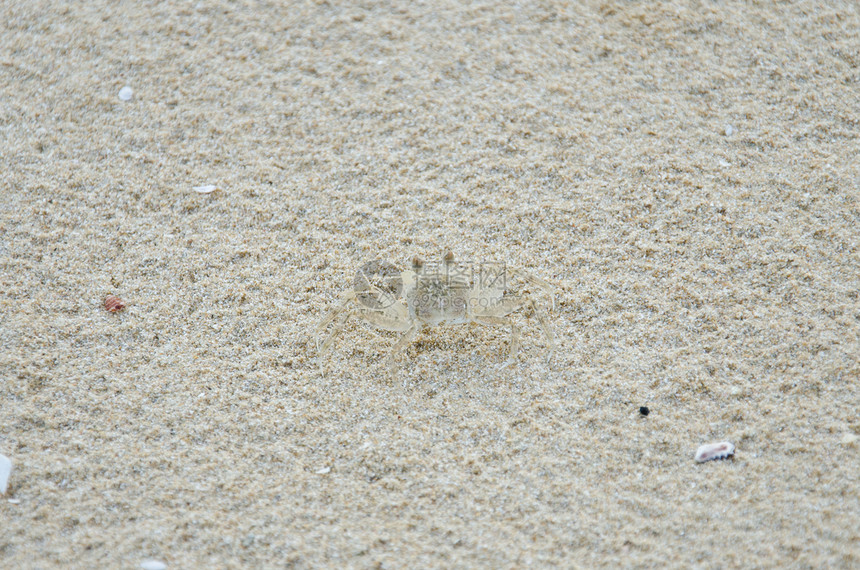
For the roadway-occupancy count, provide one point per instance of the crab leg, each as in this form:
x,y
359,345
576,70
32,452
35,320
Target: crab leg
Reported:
x,y
338,327
336,314
537,282
547,331
402,343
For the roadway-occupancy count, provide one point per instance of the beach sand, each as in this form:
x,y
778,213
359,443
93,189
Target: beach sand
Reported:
x,y
685,173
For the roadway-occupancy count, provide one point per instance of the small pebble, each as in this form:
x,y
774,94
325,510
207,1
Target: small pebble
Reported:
x,y
849,439
207,189
114,303
5,472
711,451
730,130
644,410
153,565
324,471
126,93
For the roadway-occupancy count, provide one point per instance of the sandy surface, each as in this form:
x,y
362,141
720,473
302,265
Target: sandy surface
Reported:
x,y
686,174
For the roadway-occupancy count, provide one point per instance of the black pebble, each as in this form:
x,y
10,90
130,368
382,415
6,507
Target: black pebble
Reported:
x,y
644,411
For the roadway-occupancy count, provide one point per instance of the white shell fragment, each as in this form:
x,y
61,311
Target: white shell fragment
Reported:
x,y
207,189
849,439
324,471
5,472
719,450
153,565
126,93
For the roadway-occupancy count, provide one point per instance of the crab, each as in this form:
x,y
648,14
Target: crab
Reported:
x,y
438,294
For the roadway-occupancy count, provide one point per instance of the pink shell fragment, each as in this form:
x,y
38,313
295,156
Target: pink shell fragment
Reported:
x,y
114,303
719,450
